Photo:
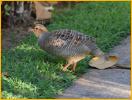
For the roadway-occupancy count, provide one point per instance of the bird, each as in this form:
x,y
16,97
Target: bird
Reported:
x,y
71,45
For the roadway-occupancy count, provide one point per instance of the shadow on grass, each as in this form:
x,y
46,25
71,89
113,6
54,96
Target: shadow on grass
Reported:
x,y
34,73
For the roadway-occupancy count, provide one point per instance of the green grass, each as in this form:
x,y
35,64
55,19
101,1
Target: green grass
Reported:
x,y
35,74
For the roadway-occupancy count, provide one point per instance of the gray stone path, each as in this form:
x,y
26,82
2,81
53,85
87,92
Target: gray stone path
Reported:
x,y
107,83
123,52
110,83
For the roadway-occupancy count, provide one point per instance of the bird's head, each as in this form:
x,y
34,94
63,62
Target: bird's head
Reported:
x,y
38,30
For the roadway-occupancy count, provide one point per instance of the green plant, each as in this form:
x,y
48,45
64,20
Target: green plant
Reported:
x,y
35,74
7,9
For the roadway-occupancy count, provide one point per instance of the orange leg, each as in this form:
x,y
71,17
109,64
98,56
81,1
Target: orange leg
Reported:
x,y
74,66
66,66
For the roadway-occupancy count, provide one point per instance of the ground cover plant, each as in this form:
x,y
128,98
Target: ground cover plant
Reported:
x,y
35,74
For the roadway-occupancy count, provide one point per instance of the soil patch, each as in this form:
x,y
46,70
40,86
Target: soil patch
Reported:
x,y
11,37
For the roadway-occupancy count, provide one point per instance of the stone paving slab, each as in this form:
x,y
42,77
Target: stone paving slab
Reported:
x,y
108,83
123,52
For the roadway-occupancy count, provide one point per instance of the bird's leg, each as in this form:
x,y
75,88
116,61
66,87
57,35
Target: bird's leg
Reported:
x,y
66,66
74,66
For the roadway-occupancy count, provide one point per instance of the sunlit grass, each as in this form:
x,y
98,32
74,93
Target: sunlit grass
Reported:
x,y
33,73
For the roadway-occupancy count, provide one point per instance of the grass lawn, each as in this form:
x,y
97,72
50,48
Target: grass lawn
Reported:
x,y
35,74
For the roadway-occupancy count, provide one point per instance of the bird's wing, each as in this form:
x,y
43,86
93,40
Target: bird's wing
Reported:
x,y
70,38
61,38
69,42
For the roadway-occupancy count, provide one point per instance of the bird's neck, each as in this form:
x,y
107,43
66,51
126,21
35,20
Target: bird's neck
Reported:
x,y
43,35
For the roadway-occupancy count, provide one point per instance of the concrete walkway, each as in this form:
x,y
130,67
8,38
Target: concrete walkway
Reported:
x,y
123,52
107,83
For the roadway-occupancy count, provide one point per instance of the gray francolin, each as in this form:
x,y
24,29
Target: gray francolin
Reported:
x,y
71,45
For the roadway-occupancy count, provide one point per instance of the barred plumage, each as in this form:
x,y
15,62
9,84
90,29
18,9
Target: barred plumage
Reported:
x,y
69,44
66,43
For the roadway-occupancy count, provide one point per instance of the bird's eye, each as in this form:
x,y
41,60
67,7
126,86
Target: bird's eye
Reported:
x,y
36,28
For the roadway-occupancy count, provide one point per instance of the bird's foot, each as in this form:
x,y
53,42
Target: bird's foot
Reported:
x,y
64,69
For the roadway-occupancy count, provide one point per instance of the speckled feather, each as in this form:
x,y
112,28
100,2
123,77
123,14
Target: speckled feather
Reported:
x,y
73,46
67,43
